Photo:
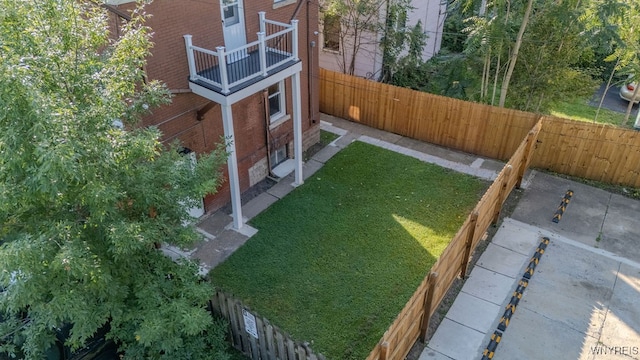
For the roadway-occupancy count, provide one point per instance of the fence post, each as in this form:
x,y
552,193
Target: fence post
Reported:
x,y
532,137
502,194
473,220
384,350
428,302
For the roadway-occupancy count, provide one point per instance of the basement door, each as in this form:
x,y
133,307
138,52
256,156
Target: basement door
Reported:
x,y
233,27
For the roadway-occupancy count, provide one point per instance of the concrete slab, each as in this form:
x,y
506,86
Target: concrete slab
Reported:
x,y
258,204
310,168
345,140
584,315
214,223
503,261
326,153
517,236
532,336
438,151
622,325
474,312
488,285
282,188
327,126
456,340
430,354
577,272
620,231
354,127
212,253
583,217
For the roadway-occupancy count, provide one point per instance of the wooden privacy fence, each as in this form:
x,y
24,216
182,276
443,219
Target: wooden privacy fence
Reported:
x,y
413,321
255,336
475,128
593,151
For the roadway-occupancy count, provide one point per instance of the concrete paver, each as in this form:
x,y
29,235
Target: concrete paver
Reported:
x,y
456,340
474,312
488,285
503,261
516,236
619,231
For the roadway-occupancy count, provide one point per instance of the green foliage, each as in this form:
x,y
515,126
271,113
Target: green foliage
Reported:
x,y
447,75
335,261
82,203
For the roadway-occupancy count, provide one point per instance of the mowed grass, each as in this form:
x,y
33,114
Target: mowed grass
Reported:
x,y
336,260
579,109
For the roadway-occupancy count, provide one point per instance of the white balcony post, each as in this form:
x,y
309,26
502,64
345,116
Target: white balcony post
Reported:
x,y
262,23
232,164
190,58
222,65
297,128
262,46
294,39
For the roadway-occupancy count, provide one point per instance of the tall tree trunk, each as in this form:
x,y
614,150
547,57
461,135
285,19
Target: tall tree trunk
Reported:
x,y
606,89
495,80
514,55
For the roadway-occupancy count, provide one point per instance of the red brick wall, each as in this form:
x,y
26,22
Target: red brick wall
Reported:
x,y
170,20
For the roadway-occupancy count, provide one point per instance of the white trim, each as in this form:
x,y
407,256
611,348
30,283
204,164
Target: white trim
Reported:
x,y
282,103
281,3
274,124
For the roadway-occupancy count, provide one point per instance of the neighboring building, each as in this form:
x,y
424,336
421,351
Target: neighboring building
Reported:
x,y
264,98
337,43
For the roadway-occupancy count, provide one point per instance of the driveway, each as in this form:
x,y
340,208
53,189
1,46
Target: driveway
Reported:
x,y
583,299
612,101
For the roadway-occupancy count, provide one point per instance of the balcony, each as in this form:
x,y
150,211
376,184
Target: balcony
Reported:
x,y
226,72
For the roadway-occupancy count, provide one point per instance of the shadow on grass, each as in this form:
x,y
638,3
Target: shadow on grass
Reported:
x,y
335,261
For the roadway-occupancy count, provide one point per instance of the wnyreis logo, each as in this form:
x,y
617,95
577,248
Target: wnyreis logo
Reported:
x,y
615,350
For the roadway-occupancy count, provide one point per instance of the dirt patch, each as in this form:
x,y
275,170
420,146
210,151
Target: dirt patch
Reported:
x,y
507,209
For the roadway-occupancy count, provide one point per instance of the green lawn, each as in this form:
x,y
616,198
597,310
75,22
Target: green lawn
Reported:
x,y
579,109
335,261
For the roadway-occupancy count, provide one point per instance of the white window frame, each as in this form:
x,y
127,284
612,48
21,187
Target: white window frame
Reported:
x,y
282,102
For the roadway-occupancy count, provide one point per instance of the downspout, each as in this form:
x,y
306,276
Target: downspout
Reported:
x,y
310,46
311,76
267,131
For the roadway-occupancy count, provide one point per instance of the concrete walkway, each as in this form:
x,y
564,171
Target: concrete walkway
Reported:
x,y
583,300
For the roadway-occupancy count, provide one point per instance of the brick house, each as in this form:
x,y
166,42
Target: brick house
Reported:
x,y
245,70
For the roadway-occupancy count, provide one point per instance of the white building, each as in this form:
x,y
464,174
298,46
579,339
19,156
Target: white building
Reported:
x,y
337,45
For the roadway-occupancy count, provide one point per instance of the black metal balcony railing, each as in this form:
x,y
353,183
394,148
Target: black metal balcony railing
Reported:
x,y
222,70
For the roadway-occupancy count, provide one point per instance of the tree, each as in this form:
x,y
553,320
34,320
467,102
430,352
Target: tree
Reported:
x,y
360,26
82,203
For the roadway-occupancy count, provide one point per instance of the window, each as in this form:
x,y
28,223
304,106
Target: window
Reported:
x,y
277,107
331,32
230,12
278,156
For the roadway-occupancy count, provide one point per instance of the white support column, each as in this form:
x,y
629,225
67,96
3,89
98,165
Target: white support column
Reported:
x,y
294,39
297,128
232,163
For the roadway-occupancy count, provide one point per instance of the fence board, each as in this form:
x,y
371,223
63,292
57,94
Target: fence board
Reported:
x,y
272,343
